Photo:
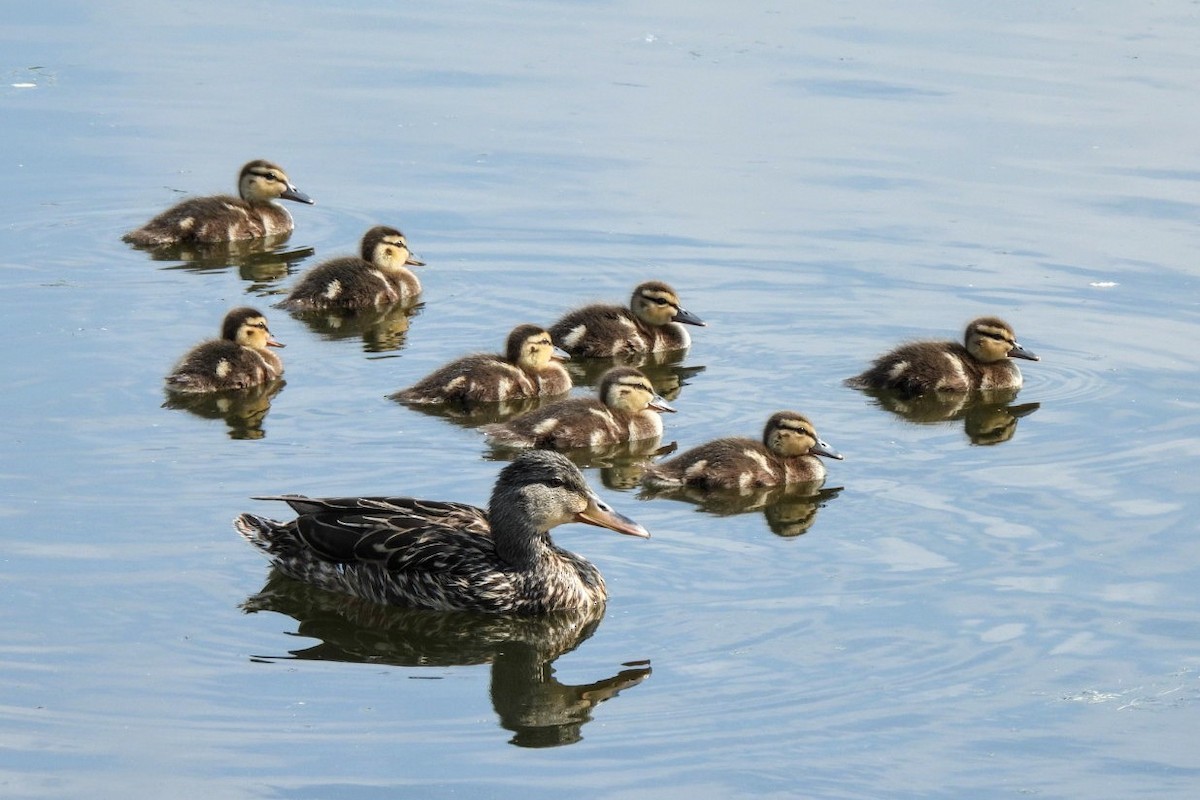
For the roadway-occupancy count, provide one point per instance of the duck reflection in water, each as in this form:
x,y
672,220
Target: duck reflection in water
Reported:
x,y
382,329
533,704
262,262
243,410
989,416
665,369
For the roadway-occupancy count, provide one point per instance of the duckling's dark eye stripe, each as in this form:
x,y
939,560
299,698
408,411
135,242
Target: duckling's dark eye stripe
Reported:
x,y
999,337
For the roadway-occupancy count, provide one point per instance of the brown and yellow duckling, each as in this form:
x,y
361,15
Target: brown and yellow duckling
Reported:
x,y
222,218
984,361
528,368
238,359
650,324
378,277
626,409
449,556
787,454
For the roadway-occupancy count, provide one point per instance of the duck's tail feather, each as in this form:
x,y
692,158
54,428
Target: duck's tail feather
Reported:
x,y
267,535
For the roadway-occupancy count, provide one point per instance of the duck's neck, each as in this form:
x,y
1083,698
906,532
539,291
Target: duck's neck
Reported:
x,y
518,542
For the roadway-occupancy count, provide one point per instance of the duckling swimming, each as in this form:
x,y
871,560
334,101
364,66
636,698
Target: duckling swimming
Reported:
x,y
223,218
626,409
651,323
449,556
787,454
238,359
528,368
378,277
919,367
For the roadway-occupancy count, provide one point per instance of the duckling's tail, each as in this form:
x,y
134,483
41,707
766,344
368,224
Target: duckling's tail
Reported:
x,y
265,534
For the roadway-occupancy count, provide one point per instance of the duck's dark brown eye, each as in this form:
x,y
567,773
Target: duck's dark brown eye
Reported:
x,y
554,483
272,176
662,301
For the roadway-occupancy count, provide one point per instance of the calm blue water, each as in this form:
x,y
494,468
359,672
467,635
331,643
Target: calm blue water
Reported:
x,y
993,605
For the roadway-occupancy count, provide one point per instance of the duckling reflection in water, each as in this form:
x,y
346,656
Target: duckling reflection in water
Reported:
x,y
244,410
787,454
261,261
664,368
382,329
983,361
540,710
651,323
789,509
989,416
239,359
222,218
379,276
626,409
449,556
528,368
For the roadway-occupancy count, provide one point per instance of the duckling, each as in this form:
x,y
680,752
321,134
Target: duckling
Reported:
x,y
449,556
650,324
528,368
378,277
238,359
788,454
920,367
624,411
223,218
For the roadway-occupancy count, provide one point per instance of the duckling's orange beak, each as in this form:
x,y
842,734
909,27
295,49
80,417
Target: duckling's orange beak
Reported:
x,y
601,514
273,342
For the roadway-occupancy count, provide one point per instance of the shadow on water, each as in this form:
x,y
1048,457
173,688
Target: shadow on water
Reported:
x,y
621,466
259,261
790,510
664,369
988,417
382,329
540,710
243,410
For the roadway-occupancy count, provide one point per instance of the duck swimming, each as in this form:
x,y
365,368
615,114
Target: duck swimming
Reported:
x,y
983,361
651,323
379,276
528,368
449,556
237,360
787,454
222,218
626,409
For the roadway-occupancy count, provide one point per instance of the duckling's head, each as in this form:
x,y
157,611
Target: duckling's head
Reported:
x,y
789,434
387,249
248,327
545,489
530,347
655,303
261,181
990,339
627,389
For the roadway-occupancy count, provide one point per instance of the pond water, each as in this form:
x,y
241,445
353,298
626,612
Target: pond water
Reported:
x,y
991,601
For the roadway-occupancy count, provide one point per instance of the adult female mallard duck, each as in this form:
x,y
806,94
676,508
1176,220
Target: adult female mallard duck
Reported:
x,y
449,556
377,277
651,323
238,359
982,362
787,454
223,218
626,409
528,368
